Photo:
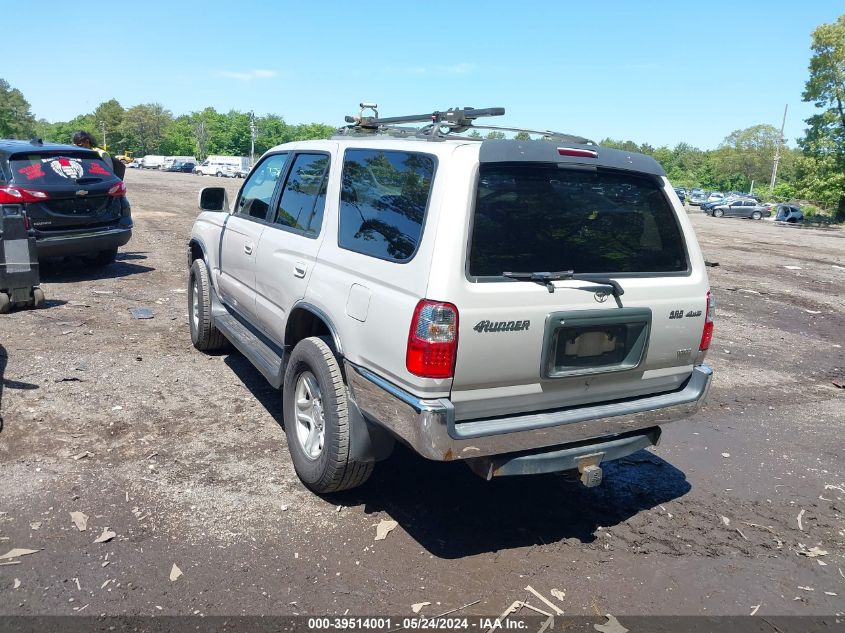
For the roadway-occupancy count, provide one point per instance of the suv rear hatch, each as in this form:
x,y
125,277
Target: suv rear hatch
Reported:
x,y
67,190
582,285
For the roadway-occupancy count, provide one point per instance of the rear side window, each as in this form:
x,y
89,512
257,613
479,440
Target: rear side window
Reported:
x,y
538,218
383,200
304,194
58,169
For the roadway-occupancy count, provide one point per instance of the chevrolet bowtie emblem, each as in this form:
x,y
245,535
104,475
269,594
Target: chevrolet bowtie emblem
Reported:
x,y
82,192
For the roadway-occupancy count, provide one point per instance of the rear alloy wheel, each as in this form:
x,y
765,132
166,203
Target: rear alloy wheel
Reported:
x,y
219,174
317,420
204,336
103,258
756,215
718,213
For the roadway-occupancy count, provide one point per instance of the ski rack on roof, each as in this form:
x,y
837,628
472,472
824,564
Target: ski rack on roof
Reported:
x,y
439,125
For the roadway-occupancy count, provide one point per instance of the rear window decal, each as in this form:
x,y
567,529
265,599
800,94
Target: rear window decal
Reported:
x,y
66,167
32,172
96,168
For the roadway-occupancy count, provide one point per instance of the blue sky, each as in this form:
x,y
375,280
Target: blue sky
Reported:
x,y
657,72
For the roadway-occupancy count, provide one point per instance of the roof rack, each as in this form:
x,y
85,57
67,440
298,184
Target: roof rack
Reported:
x,y
439,125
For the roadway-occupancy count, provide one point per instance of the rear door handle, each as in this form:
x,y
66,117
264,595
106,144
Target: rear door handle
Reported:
x,y
299,269
248,248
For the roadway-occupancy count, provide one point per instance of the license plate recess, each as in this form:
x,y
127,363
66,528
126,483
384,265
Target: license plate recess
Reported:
x,y
581,342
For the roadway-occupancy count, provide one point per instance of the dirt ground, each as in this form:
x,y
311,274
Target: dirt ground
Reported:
x,y
184,458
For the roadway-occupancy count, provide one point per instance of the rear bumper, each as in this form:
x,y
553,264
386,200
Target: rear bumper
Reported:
x,y
83,242
429,427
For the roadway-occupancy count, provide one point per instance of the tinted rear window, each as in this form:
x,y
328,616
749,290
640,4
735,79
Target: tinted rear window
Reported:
x,y
58,168
536,218
383,201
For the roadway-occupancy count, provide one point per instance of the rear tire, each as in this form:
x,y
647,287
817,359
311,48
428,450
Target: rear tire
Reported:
x,y
756,215
204,336
317,420
37,298
5,303
103,258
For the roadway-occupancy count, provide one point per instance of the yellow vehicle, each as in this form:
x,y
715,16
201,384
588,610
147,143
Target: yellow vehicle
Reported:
x,y
125,157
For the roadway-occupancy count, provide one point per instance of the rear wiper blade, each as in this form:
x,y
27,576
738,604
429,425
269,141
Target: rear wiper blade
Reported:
x,y
545,278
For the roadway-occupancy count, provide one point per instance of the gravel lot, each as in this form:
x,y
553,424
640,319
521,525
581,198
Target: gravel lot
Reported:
x,y
183,457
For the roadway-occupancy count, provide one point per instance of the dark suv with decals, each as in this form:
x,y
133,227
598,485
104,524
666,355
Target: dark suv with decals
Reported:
x,y
72,199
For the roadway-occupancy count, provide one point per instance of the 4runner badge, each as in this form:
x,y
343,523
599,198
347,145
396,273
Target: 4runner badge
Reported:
x,y
501,326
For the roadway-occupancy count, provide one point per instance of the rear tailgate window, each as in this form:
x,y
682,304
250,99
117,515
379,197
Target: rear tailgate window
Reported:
x,y
533,217
45,169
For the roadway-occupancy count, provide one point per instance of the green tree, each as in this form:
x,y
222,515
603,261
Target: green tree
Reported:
x,y
108,125
825,137
746,156
179,139
16,120
144,126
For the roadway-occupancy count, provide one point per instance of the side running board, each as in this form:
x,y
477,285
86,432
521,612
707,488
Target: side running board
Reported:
x,y
266,359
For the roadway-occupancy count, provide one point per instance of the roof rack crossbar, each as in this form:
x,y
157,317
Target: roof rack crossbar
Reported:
x,y
440,124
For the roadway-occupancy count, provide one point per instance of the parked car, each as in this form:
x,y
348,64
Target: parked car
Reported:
x,y
715,196
75,203
169,160
697,199
789,213
682,195
181,166
347,271
739,208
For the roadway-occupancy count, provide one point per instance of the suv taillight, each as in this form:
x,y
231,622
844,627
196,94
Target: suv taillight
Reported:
x,y
709,314
433,340
18,195
118,190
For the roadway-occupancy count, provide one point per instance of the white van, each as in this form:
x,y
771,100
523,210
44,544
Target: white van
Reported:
x,y
228,166
152,161
169,160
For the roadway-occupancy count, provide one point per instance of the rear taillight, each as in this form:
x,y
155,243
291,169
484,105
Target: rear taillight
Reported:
x,y
433,340
118,190
19,195
709,314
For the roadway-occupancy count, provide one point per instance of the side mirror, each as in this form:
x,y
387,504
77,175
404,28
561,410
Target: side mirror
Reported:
x,y
214,199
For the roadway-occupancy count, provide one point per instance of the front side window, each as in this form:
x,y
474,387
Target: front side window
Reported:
x,y
257,192
383,199
304,194
533,217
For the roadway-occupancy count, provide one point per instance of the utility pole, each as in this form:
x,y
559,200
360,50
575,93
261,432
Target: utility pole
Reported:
x,y
103,125
777,150
252,138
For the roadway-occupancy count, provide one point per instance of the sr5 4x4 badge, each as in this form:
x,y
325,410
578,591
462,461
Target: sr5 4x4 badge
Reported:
x,y
679,314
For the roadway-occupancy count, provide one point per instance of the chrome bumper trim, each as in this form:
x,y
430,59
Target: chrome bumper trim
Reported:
x,y
428,425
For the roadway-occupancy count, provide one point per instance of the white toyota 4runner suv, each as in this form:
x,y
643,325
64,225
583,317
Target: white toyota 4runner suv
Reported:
x,y
524,306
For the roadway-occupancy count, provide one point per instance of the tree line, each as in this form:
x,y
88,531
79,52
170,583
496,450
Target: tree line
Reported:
x,y
814,171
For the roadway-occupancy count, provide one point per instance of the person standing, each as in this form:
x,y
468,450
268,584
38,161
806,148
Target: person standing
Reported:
x,y
82,138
